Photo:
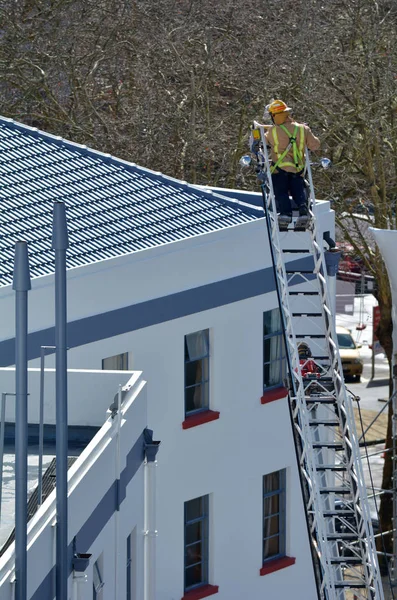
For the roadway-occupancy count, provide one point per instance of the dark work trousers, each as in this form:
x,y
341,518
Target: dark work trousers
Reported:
x,y
287,184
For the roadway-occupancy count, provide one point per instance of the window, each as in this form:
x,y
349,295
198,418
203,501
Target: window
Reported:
x,y
274,356
131,566
116,363
274,515
197,372
97,579
196,542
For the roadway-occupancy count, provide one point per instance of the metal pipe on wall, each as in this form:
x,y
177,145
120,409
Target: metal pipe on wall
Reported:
x,y
21,284
150,531
60,245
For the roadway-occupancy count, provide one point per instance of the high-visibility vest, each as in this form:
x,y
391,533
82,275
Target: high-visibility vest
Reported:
x,y
297,153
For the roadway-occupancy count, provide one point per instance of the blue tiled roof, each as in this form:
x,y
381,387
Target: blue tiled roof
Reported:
x,y
113,207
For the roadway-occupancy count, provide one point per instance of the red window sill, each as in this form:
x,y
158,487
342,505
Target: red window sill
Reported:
x,y
201,592
275,565
275,394
199,418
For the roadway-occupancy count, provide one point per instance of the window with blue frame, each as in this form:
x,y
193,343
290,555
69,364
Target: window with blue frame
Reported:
x,y
274,519
197,372
97,579
274,356
196,543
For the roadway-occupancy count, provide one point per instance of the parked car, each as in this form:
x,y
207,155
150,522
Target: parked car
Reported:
x,y
352,363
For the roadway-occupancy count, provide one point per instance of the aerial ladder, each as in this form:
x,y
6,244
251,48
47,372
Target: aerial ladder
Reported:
x,y
326,441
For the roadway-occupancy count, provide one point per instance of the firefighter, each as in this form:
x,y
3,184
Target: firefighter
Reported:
x,y
288,140
307,364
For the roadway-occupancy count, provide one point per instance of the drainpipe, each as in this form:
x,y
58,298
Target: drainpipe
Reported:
x,y
150,532
21,284
60,244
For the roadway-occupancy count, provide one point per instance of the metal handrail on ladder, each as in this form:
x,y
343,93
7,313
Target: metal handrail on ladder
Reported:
x,y
332,586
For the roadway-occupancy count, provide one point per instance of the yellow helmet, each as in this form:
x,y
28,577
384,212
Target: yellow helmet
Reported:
x,y
276,107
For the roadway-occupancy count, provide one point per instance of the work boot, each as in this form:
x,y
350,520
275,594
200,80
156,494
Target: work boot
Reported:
x,y
303,212
285,217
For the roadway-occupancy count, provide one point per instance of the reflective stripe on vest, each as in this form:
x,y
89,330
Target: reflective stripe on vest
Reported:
x,y
297,153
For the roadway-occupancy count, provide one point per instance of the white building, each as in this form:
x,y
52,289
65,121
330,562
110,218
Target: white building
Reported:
x,y
177,282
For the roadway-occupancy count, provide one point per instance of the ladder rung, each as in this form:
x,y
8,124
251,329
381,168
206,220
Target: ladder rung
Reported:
x,y
341,536
310,337
346,560
328,422
296,251
304,293
320,400
331,445
306,314
335,490
299,272
331,468
350,584
339,513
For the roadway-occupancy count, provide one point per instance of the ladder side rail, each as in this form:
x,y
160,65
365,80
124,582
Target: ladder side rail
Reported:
x,y
303,426
345,401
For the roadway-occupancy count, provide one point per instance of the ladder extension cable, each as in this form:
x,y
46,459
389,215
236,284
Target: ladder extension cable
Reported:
x,y
373,491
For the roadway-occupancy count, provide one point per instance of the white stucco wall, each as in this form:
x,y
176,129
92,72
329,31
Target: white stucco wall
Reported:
x,y
90,478
226,458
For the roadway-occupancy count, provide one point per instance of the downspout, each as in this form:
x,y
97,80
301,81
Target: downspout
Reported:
x,y
150,532
21,284
116,516
60,244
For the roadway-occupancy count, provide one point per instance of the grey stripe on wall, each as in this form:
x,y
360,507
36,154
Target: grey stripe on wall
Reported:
x,y
145,314
100,515
152,312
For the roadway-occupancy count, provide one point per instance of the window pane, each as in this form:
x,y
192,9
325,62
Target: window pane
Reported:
x,y
194,576
196,372
272,526
272,482
193,554
194,509
271,321
193,532
271,547
119,362
197,397
274,373
271,505
196,344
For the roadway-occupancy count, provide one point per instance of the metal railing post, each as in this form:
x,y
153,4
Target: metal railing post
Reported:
x,y
41,425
